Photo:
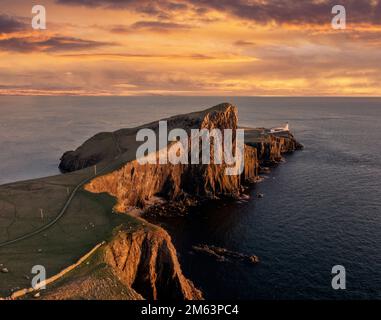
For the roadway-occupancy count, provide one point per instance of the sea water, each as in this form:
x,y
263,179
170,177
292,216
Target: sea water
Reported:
x,y
321,208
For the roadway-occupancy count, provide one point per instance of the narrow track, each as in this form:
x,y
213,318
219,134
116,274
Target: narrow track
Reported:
x,y
64,208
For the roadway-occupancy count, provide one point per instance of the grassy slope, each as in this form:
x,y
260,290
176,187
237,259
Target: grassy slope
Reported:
x,y
87,221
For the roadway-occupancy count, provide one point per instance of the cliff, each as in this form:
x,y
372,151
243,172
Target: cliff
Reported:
x,y
105,146
134,184
146,260
141,260
271,146
137,263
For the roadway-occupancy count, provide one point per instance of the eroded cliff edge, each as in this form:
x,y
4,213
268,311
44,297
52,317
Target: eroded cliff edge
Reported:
x,y
134,185
145,262
138,262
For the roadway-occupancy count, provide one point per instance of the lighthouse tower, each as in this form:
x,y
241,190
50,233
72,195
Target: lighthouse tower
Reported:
x,y
286,128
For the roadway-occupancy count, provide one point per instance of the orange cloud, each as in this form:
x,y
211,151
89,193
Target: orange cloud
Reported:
x,y
193,47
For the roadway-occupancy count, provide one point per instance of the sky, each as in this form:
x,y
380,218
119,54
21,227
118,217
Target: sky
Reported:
x,y
191,48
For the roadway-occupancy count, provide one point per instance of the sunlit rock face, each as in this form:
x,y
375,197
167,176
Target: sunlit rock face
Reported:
x,y
138,262
134,184
146,261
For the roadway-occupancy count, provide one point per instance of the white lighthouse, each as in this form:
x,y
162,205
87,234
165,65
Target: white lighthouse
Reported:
x,y
286,128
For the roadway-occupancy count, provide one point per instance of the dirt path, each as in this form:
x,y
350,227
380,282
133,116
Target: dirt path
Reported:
x,y
64,208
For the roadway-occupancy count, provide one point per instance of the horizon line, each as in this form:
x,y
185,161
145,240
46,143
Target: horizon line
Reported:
x,y
189,96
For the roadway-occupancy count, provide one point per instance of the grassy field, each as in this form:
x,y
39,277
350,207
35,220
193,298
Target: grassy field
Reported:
x,y
88,220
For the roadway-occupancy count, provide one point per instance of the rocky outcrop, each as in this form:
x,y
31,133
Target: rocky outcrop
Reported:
x,y
135,184
271,147
105,146
137,263
146,261
225,255
102,147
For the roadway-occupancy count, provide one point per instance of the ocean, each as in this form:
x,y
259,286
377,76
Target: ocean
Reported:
x,y
321,207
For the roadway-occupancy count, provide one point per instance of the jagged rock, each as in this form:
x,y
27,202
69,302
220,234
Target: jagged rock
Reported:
x,y
134,185
271,146
135,264
97,149
225,255
253,259
153,268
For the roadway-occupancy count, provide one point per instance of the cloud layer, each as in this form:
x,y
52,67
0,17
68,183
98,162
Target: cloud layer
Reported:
x,y
280,11
9,24
191,47
51,44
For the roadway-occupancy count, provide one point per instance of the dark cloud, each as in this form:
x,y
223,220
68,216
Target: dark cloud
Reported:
x,y
158,26
290,11
10,24
280,11
104,3
95,3
155,8
244,43
53,44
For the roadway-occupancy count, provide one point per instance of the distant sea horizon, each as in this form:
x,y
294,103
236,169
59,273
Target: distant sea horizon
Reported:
x,y
322,207
36,105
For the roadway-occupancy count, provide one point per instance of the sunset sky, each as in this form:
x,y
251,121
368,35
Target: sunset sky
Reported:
x,y
191,47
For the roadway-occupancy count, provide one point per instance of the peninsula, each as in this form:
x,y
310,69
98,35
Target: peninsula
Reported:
x,y
87,226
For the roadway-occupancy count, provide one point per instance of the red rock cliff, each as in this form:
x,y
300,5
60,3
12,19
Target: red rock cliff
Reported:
x,y
134,184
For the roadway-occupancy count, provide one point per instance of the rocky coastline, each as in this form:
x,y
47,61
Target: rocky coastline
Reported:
x,y
135,185
138,259
171,190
